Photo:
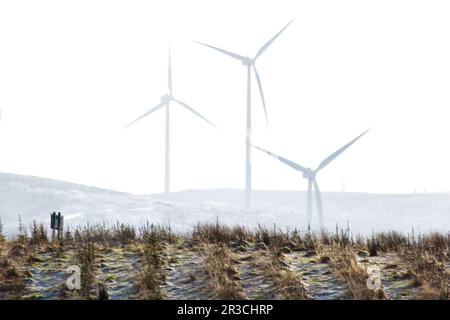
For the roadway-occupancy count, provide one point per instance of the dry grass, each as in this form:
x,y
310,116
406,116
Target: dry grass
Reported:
x,y
12,279
151,275
429,260
218,263
218,233
219,259
85,258
38,234
154,260
426,256
288,283
344,262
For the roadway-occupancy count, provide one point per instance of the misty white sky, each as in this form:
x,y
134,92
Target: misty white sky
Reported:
x,y
72,73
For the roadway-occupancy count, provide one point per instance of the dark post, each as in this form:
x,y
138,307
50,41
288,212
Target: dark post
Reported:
x,y
52,220
60,225
53,224
56,224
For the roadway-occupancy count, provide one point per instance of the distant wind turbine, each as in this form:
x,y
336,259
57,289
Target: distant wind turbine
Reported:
x,y
165,102
250,64
310,174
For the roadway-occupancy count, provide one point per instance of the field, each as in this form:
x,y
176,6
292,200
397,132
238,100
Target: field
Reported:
x,y
215,261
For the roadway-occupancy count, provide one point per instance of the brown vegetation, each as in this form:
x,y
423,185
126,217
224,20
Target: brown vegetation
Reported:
x,y
218,262
223,249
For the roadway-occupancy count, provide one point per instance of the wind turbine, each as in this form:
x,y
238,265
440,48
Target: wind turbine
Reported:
x,y
166,99
311,174
249,63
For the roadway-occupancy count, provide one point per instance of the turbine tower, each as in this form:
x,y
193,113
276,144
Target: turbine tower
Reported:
x,y
166,100
311,174
249,63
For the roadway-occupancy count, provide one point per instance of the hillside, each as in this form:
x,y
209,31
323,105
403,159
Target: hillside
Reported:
x,y
35,198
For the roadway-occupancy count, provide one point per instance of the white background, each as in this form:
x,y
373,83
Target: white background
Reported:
x,y
72,73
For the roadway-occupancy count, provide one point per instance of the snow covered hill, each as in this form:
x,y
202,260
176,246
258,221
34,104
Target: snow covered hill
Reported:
x,y
35,198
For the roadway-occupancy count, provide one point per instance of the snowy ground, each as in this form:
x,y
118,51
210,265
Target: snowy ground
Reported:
x,y
36,198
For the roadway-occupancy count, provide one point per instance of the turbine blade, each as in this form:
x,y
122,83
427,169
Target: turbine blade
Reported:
x,y
290,163
144,115
334,155
258,79
169,77
194,112
318,202
268,43
228,53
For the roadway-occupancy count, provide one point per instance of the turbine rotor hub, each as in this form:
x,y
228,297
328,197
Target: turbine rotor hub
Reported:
x,y
310,174
166,98
247,61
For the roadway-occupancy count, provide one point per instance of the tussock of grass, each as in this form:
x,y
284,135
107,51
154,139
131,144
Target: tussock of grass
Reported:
x,y
290,286
154,242
218,233
12,279
218,263
427,260
344,262
288,283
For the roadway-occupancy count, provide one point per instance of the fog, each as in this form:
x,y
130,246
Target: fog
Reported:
x,y
73,74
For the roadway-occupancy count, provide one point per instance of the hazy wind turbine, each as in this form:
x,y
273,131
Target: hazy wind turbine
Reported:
x,y
165,102
310,174
250,64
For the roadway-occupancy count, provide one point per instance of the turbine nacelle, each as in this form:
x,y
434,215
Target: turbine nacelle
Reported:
x,y
166,98
309,174
247,61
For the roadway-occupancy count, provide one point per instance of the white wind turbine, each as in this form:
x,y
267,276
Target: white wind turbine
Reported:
x,y
249,63
165,102
310,174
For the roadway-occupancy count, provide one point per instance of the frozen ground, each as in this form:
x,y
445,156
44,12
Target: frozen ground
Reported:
x,y
36,198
